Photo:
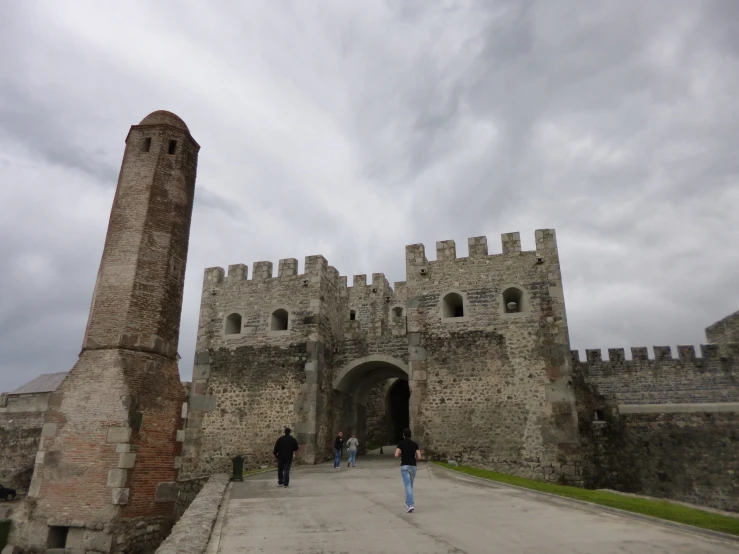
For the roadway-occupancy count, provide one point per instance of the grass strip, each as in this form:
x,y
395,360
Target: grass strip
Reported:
x,y
649,507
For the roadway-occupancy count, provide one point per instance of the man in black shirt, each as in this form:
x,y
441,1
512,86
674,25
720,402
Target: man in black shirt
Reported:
x,y
409,453
338,444
284,449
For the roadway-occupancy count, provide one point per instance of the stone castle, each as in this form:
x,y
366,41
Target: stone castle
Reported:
x,y
472,353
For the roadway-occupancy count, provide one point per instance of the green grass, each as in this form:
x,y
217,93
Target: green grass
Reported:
x,y
649,507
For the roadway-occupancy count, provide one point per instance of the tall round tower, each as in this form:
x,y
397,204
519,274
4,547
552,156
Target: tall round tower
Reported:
x,y
108,454
137,301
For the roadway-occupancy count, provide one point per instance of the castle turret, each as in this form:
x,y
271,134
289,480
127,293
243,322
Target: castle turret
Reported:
x,y
106,460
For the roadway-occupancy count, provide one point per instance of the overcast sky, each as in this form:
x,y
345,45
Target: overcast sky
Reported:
x,y
351,129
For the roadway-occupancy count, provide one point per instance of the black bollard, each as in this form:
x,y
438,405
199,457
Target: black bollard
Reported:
x,y
238,470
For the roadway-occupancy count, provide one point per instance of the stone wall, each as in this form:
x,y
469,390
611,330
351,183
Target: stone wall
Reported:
x,y
492,386
687,456
376,414
255,390
665,428
19,437
725,330
711,377
187,490
317,375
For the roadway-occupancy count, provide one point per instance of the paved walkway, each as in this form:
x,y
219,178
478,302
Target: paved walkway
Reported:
x,y
360,511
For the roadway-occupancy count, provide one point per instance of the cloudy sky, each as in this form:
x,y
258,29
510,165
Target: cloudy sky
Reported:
x,y
351,129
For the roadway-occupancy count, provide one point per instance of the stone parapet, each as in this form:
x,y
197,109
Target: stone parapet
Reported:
x,y
191,533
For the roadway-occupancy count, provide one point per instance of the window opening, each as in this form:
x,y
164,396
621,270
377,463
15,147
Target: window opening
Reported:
x,y
147,145
279,320
453,305
513,300
233,324
172,146
352,315
398,311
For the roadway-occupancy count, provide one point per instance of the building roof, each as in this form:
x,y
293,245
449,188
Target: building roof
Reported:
x,y
48,382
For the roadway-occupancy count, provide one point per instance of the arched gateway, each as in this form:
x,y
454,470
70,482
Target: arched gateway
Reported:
x,y
353,383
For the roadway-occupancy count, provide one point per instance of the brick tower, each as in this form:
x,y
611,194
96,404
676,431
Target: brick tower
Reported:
x,y
104,479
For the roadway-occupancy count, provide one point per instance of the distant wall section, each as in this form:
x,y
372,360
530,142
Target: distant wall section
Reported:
x,y
724,331
662,426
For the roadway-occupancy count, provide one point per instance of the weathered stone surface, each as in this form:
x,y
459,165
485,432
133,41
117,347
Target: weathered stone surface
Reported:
x,y
191,533
167,492
725,331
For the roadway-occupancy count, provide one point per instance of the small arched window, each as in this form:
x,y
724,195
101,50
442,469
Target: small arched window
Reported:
x,y
352,315
453,305
513,300
279,320
397,311
233,324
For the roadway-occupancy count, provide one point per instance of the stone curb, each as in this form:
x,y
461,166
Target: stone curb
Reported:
x,y
615,511
192,532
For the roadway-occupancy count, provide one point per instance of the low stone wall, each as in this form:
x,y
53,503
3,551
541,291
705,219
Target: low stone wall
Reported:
x,y
192,532
187,491
19,436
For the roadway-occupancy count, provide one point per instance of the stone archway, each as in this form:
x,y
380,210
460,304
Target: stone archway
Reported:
x,y
353,384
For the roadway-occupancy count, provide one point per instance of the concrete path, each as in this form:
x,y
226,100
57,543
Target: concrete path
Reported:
x,y
360,511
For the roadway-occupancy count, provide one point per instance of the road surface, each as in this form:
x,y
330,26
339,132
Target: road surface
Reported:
x,y
361,511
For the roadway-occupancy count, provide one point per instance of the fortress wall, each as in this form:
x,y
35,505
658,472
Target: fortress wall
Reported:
x,y
249,383
664,379
491,387
691,457
662,427
254,389
724,331
19,437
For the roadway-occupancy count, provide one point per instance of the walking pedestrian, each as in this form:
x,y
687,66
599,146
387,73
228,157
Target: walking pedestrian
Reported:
x,y
284,449
351,448
338,445
409,453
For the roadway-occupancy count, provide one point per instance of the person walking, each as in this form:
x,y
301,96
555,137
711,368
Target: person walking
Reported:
x,y
351,448
409,454
284,449
338,445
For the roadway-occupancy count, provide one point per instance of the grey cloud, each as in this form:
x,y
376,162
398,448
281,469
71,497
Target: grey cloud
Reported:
x,y
358,128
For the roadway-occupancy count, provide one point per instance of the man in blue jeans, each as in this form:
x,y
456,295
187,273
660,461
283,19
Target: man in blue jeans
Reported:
x,y
409,453
338,445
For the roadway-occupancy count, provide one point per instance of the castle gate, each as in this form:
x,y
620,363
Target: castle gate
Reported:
x,y
353,383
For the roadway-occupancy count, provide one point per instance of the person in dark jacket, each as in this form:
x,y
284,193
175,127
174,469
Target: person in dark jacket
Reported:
x,y
338,445
285,447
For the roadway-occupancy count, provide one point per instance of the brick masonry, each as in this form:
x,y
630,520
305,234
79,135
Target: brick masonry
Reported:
x,y
108,443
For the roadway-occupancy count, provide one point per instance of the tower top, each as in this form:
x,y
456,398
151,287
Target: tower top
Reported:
x,y
163,117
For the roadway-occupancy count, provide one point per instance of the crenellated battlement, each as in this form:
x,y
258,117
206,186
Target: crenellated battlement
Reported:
x,y
446,250
287,268
685,353
663,378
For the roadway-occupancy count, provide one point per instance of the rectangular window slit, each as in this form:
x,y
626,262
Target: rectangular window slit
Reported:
x,y
172,146
147,144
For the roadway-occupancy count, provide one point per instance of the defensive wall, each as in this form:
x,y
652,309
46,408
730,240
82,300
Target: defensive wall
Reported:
x,y
662,425
724,331
481,339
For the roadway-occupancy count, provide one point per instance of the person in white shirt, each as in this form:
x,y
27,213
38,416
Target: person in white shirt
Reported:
x,y
351,448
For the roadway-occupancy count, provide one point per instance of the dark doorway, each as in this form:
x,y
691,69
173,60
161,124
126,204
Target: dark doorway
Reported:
x,y
397,401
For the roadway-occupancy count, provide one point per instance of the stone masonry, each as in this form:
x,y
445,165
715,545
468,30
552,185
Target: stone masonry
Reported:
x,y
105,467
725,331
482,341
665,426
